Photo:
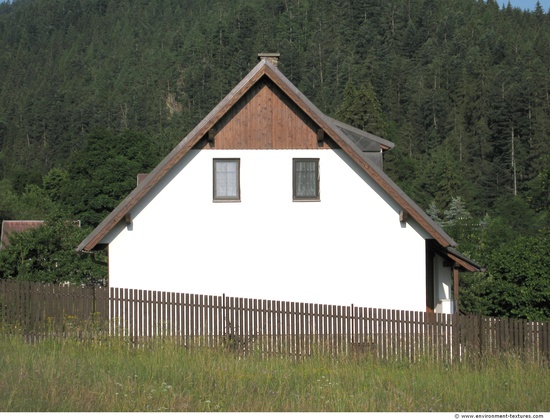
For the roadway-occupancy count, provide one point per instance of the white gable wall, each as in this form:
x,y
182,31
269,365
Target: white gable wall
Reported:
x,y
349,248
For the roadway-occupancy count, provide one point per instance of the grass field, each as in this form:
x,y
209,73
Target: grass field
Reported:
x,y
66,376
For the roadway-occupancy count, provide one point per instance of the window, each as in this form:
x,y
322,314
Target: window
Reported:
x,y
227,180
305,180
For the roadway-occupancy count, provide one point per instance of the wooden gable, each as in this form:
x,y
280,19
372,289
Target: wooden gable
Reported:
x,y
265,118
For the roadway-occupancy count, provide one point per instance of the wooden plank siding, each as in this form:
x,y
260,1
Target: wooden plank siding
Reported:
x,y
262,326
265,119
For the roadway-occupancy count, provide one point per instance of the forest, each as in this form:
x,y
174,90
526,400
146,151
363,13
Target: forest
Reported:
x,y
93,92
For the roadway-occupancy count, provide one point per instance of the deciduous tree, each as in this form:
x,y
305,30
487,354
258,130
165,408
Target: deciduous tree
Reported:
x,y
47,254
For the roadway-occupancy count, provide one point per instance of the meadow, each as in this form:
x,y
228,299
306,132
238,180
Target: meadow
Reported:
x,y
70,376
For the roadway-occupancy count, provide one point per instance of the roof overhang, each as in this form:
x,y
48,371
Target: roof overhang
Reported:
x,y
462,262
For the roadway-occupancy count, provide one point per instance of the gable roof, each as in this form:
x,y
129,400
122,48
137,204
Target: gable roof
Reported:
x,y
10,227
352,140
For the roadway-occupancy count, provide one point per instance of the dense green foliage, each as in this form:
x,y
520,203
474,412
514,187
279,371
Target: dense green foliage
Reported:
x,y
67,376
101,174
517,282
47,254
460,86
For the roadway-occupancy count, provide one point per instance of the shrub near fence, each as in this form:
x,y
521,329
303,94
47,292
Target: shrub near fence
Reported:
x,y
264,326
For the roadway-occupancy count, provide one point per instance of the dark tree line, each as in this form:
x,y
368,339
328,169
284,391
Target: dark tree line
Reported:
x,y
94,91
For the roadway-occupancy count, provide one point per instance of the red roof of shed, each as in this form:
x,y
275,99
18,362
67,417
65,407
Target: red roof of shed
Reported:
x,y
10,227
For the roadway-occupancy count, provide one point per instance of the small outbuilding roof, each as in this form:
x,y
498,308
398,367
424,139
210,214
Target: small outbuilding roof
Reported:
x,y
10,227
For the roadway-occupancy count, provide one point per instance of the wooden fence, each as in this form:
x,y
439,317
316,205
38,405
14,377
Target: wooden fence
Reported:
x,y
263,326
40,309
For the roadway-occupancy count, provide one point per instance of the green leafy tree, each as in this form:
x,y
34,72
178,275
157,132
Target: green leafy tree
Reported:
x,y
519,218
360,107
516,283
54,182
539,188
434,213
47,254
457,219
103,173
8,200
33,204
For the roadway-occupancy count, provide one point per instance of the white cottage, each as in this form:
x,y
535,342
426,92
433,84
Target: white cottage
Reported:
x,y
269,198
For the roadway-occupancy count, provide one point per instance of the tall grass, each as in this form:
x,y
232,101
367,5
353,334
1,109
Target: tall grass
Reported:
x,y
57,375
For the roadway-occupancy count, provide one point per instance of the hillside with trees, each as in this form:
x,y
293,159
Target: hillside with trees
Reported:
x,y
94,91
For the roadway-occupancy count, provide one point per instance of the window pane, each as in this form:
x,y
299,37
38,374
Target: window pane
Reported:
x,y
306,184
226,179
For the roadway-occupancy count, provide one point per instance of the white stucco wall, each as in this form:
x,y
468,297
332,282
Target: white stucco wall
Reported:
x,y
349,248
443,286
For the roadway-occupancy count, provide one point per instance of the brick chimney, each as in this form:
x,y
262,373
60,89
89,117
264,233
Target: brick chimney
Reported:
x,y
273,57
